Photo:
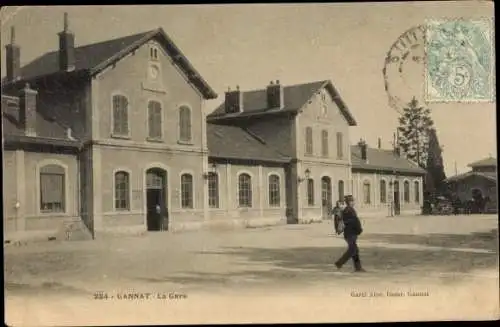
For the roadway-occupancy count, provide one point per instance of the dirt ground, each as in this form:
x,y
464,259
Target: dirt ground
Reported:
x,y
417,268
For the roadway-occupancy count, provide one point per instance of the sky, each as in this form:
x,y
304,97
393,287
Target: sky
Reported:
x,y
250,45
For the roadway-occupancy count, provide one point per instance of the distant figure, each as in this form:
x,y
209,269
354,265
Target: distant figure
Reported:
x,y
337,217
352,229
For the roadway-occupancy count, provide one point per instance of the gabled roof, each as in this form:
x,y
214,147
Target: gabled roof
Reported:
x,y
486,162
93,58
232,142
295,97
492,176
383,160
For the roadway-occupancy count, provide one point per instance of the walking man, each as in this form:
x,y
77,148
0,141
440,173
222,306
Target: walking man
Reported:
x,y
352,229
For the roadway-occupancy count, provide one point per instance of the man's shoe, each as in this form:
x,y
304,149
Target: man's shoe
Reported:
x,y
338,265
359,270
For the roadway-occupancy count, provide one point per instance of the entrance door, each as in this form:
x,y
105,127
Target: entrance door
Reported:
x,y
397,203
156,200
326,196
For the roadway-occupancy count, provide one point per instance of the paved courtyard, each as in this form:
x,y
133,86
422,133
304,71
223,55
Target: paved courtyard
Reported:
x,y
448,258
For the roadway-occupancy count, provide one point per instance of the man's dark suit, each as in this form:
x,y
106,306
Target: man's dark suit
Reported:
x,y
352,230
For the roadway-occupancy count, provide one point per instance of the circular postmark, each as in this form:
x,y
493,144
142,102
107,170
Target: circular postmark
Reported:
x,y
404,68
459,60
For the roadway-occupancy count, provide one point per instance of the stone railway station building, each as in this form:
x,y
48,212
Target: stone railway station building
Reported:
x,y
114,137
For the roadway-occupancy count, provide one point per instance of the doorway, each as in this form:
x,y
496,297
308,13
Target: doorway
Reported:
x,y
156,200
397,203
326,196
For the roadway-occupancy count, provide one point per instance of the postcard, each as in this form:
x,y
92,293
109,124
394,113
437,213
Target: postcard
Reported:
x,y
249,163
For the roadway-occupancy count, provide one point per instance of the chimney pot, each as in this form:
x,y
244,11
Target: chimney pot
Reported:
x,y
275,95
13,58
66,47
277,81
27,110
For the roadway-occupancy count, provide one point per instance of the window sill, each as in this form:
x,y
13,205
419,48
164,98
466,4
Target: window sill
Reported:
x,y
122,137
155,140
185,142
53,214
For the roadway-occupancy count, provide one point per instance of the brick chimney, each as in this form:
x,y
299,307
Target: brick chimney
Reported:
x,y
275,96
66,47
27,110
363,147
397,148
379,143
234,101
13,58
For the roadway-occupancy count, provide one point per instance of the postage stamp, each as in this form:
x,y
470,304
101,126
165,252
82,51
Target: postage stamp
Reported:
x,y
459,61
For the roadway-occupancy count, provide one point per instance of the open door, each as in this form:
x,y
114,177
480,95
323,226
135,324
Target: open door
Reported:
x,y
156,200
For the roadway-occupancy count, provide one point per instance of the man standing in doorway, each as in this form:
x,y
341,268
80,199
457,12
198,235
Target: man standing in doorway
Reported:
x,y
352,229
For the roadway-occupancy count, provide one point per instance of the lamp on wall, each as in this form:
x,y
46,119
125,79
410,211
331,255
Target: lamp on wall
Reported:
x,y
307,175
211,169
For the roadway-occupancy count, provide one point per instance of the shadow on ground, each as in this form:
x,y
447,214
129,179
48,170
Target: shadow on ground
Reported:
x,y
309,264
476,240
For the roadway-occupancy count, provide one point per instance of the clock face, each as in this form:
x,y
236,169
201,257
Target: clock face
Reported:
x,y
154,72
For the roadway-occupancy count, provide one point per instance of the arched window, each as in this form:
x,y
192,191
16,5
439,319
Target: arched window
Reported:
x,y
155,120
274,191
341,190
122,191
245,190
406,191
366,192
417,192
310,192
120,115
52,190
213,190
383,191
185,124
187,191
309,141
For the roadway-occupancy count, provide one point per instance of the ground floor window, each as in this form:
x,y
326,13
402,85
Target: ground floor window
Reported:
x,y
310,192
52,190
122,191
213,190
245,190
274,191
187,191
366,192
383,191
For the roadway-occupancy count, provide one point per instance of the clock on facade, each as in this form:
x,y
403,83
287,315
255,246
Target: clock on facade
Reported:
x,y
154,72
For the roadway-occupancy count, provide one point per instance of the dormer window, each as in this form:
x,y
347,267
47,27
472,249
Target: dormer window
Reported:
x,y
153,53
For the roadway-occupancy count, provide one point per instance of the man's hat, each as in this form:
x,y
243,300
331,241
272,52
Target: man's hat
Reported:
x,y
348,198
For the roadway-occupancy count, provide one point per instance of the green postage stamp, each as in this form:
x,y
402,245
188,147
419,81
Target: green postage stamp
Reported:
x,y
459,61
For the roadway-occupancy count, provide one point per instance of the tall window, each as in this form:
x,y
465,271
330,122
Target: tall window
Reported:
x,y
154,120
323,103
383,191
341,190
52,190
309,140
324,143
417,192
213,190
366,192
310,192
406,191
122,189
340,146
245,190
185,124
274,191
120,115
187,191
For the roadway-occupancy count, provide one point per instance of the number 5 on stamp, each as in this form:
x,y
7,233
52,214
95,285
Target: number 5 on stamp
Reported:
x,y
459,61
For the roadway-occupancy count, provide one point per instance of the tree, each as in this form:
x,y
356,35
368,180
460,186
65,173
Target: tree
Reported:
x,y
414,128
435,168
